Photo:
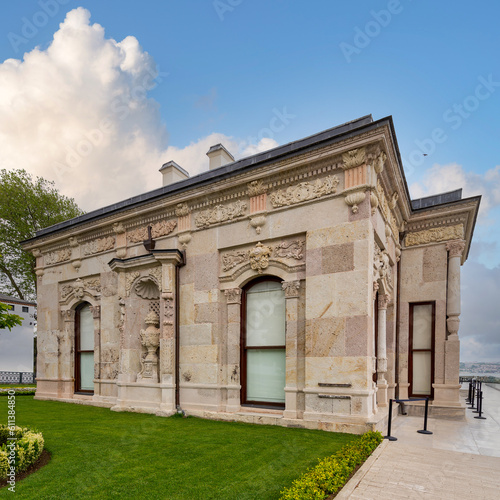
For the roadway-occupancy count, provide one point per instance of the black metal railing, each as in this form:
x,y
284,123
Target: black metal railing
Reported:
x,y
475,397
389,423
17,378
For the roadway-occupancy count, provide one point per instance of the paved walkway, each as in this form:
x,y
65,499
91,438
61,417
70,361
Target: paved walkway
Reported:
x,y
460,460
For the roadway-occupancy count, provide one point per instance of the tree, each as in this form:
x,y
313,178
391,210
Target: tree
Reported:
x,y
26,206
8,320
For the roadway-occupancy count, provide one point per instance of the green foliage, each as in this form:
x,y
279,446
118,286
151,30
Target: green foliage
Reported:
x,y
332,472
26,206
7,319
19,391
28,448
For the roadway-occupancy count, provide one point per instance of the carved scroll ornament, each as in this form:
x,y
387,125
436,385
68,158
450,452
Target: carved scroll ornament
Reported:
x,y
304,191
57,256
100,245
220,213
158,229
435,234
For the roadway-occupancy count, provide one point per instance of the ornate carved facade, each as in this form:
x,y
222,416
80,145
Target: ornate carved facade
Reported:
x,y
303,270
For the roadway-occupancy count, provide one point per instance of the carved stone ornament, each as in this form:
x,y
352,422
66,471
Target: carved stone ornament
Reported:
x,y
220,213
436,234
259,257
150,339
182,209
147,289
373,202
256,188
233,295
129,279
355,199
57,256
386,210
92,286
158,229
258,222
382,270
290,249
168,308
184,239
455,248
96,311
121,322
304,191
379,162
118,228
232,259
36,252
291,289
394,200
99,245
383,300
353,158
156,273
73,242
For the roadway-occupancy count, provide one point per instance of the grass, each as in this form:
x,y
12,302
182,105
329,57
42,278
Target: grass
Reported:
x,y
97,454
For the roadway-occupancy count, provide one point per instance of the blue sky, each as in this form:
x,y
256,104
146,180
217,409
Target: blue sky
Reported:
x,y
259,73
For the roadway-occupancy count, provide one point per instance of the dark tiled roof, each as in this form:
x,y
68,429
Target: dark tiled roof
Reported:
x,y
437,199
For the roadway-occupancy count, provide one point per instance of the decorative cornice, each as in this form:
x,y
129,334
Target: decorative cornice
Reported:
x,y
435,235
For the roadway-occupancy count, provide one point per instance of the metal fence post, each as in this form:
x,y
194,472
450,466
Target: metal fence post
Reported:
x,y
424,430
389,437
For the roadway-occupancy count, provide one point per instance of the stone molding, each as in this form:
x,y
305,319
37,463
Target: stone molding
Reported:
x,y
435,235
455,248
304,191
291,289
233,295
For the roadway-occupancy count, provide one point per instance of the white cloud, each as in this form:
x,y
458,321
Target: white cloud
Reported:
x,y
78,113
442,178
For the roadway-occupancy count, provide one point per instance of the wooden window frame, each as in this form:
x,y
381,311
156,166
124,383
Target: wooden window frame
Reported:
x,y
243,347
78,351
411,350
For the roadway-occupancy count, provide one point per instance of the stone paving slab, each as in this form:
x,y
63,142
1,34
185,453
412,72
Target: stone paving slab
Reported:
x,y
399,471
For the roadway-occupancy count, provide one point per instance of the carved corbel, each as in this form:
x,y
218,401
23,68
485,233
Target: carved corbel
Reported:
x,y
373,202
291,289
233,295
355,199
258,222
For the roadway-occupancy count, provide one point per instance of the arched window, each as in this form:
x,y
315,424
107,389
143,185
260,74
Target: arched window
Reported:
x,y
263,344
84,349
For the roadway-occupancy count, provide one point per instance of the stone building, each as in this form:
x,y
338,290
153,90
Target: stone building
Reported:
x,y
299,286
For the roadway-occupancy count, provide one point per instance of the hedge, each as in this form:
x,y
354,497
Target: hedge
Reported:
x,y
19,391
332,472
28,448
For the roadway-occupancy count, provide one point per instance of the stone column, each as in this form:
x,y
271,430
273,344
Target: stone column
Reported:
x,y
449,392
294,396
233,365
383,301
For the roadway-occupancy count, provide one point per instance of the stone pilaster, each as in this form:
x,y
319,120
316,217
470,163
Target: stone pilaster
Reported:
x,y
382,386
66,366
233,297
294,396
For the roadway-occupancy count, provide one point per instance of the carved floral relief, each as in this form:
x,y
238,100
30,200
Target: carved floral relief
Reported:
x,y
290,249
100,245
57,256
161,228
304,191
435,234
220,213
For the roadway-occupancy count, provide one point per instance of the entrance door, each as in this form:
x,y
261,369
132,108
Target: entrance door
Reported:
x,y
263,344
421,364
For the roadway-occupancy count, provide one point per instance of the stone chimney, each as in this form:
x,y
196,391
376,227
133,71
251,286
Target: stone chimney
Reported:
x,y
219,156
172,172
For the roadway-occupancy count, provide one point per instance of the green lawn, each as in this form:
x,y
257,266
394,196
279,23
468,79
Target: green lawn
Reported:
x,y
97,453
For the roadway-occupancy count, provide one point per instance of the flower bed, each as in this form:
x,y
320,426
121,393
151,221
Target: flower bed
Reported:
x,y
332,472
21,453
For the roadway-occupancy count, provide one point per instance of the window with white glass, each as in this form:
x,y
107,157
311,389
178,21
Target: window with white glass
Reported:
x,y
422,319
84,349
263,344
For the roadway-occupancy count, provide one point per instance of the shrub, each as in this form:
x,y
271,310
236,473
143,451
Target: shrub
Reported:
x,y
19,391
28,448
332,472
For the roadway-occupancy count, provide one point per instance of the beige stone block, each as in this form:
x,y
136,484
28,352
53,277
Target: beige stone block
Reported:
x,y
357,336
186,309
206,296
356,371
198,373
321,298
342,233
325,337
206,313
195,335
337,258
206,272
314,260
198,354
354,291
435,263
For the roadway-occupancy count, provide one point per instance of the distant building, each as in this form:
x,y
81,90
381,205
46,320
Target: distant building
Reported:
x,y
17,345
300,286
